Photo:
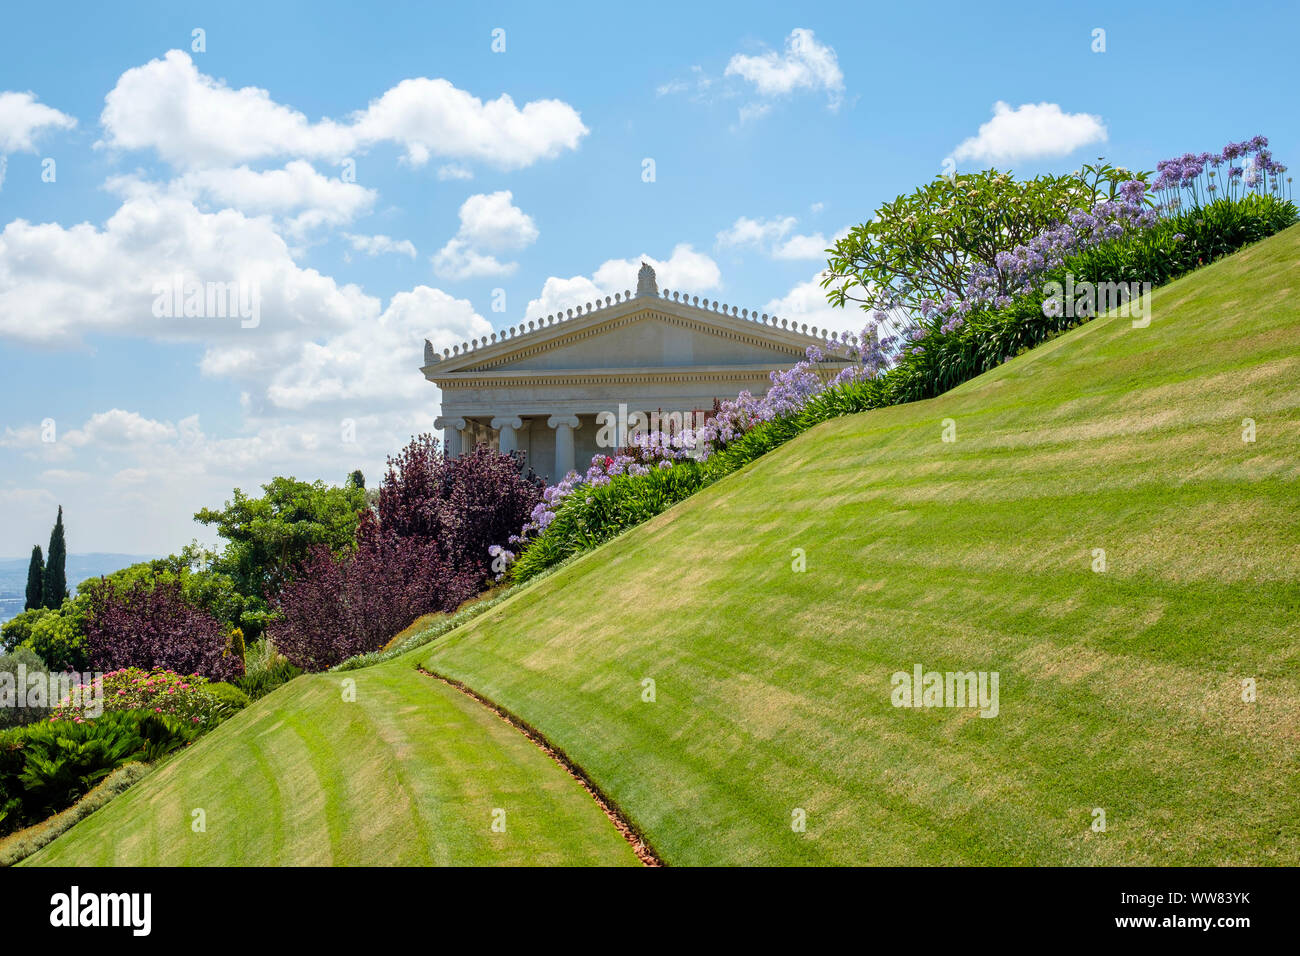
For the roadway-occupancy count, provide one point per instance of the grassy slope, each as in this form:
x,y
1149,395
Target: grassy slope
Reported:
x,y
1119,690
409,773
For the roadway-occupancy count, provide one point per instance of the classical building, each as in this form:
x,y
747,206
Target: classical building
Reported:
x,y
541,389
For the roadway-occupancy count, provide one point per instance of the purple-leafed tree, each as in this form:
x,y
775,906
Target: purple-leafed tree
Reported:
x,y
149,624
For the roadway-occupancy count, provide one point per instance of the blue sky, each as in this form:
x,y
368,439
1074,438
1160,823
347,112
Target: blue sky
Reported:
x,y
771,128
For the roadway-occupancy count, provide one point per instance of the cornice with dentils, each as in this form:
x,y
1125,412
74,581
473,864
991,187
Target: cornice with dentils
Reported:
x,y
559,329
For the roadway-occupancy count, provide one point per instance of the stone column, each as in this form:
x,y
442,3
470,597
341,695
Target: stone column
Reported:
x,y
564,426
507,425
451,440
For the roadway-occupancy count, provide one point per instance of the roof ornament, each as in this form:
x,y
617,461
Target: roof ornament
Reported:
x,y
645,281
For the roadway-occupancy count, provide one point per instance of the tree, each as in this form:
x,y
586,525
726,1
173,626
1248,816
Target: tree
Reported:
x,y
150,624
269,536
35,580
55,580
465,504
922,246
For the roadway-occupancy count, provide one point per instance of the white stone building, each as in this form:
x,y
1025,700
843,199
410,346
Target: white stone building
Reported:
x,y
541,389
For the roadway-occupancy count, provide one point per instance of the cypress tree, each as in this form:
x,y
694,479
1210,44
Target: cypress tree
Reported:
x,y
55,587
35,578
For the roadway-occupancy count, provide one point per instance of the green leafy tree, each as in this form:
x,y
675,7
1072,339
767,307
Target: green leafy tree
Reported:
x,y
268,536
35,579
55,581
922,246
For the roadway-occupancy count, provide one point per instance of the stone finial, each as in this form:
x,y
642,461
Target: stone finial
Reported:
x,y
645,281
430,353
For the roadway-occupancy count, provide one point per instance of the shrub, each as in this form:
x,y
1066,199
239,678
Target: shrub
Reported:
x,y
595,512
149,624
465,505
230,697
259,683
22,845
337,607
45,767
188,698
59,641
12,715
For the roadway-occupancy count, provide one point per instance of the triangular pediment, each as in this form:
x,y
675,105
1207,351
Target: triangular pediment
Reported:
x,y
640,333
645,339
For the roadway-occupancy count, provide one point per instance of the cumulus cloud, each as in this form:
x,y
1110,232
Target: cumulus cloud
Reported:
x,y
191,119
59,283
773,237
806,302
1030,131
380,245
298,197
805,64
489,223
686,270
22,119
756,232
119,427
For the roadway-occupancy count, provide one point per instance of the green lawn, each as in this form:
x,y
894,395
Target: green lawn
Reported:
x,y
1119,690
410,773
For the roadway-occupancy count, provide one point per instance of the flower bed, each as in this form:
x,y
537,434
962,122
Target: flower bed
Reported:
x,y
1126,237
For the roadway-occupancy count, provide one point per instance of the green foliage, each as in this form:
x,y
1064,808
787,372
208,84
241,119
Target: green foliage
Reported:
x,y
230,697
15,666
44,767
22,845
59,637
265,669
18,629
35,579
259,684
596,514
54,583
269,535
923,245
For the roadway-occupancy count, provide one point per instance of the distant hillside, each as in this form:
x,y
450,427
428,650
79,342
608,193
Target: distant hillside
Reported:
x,y
13,575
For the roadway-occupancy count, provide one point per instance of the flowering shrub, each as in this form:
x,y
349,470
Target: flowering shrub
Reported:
x,y
158,691
1121,236
149,624
337,607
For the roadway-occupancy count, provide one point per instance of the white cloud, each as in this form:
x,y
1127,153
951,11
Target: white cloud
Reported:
x,y
22,119
684,271
379,245
374,364
489,222
1030,131
119,427
454,171
457,260
804,247
773,237
58,283
191,119
805,65
756,232
297,196
806,303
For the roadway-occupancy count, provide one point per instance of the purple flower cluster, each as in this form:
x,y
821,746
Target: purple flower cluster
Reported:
x,y
1247,165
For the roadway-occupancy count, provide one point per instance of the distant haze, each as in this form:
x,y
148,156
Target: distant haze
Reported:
x,y
13,575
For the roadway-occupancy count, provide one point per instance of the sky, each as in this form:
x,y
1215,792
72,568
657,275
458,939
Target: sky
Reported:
x,y
369,176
